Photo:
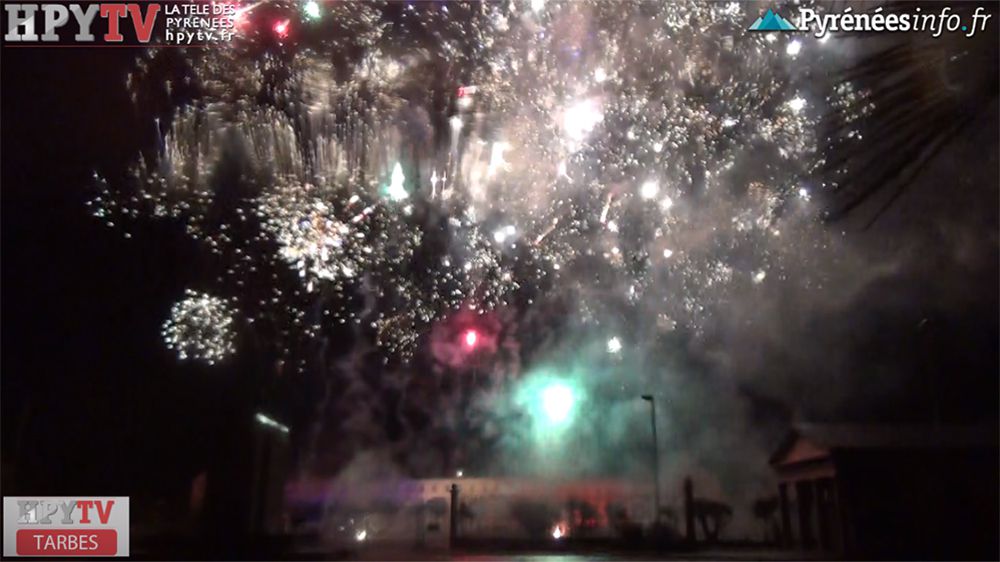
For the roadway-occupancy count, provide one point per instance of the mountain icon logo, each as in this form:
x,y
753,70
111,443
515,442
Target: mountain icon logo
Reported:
x,y
771,21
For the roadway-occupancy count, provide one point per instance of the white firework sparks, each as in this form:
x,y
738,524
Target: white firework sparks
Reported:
x,y
312,238
578,160
201,327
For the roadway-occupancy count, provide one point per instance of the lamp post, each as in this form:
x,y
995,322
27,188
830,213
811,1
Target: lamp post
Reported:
x,y
656,458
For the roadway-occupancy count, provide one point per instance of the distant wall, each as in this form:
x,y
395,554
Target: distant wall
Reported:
x,y
417,511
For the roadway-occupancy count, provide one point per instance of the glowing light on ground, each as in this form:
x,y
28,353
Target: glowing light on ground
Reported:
x,y
558,532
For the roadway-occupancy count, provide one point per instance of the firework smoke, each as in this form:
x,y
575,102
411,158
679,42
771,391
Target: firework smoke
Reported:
x,y
576,181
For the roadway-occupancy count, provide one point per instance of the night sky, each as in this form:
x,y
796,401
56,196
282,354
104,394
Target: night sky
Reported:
x,y
92,403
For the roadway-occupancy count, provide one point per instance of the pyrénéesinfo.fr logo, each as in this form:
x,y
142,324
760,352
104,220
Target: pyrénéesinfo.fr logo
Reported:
x,y
65,526
966,18
772,21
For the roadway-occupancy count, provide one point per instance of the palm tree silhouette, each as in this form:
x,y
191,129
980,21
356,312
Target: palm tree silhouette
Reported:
x,y
922,93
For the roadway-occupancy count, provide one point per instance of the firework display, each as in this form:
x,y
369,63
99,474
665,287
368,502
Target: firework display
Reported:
x,y
407,161
200,327
429,278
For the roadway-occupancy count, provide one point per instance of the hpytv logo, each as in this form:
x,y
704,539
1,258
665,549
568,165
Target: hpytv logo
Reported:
x,y
46,22
65,526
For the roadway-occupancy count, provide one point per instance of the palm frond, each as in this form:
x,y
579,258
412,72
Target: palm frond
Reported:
x,y
917,94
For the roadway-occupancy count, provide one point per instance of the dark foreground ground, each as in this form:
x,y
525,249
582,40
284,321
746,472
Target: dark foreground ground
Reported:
x,y
484,556
554,552
557,551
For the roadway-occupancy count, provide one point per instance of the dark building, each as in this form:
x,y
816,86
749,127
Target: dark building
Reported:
x,y
890,491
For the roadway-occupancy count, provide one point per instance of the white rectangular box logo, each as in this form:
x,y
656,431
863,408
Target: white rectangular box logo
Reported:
x,y
67,526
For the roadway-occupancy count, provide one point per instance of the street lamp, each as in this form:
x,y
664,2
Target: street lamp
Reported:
x,y
656,458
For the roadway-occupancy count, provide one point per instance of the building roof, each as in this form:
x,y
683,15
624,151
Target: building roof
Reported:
x,y
827,438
